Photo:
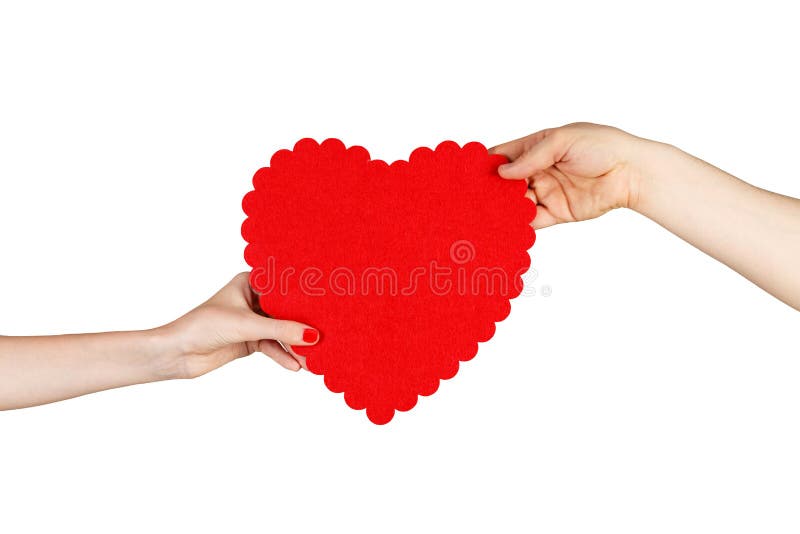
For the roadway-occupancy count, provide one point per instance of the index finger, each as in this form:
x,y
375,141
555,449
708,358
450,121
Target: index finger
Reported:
x,y
514,149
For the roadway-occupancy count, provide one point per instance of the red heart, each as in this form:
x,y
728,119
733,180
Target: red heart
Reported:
x,y
403,268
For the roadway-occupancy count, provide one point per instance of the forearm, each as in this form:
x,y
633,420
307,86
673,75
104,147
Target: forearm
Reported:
x,y
39,370
753,231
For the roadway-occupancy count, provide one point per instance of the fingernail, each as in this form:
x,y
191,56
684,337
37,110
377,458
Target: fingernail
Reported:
x,y
310,335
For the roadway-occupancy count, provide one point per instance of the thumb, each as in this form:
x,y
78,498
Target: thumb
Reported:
x,y
255,327
539,157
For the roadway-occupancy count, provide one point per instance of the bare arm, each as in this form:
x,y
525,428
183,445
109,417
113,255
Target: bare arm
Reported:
x,y
38,370
753,231
581,171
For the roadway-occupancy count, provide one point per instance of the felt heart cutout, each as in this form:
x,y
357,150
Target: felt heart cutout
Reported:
x,y
403,268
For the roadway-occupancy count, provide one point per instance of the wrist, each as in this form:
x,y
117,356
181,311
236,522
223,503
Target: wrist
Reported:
x,y
652,165
165,360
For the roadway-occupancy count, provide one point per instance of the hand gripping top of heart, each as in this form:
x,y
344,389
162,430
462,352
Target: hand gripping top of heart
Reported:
x,y
404,267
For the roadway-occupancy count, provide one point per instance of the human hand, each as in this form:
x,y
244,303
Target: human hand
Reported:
x,y
40,369
227,327
576,172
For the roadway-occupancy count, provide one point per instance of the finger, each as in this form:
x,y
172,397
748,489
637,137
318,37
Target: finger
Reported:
x,y
281,357
254,326
543,218
300,358
531,194
514,149
540,156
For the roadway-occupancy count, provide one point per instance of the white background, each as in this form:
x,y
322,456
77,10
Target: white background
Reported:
x,y
654,391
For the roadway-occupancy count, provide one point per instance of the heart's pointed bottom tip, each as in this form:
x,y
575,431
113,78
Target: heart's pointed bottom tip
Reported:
x,y
380,416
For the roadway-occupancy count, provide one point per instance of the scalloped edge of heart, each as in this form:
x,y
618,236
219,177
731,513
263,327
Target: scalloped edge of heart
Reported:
x,y
380,415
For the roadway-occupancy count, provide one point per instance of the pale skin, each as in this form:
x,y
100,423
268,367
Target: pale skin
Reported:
x,y
43,369
581,171
575,172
